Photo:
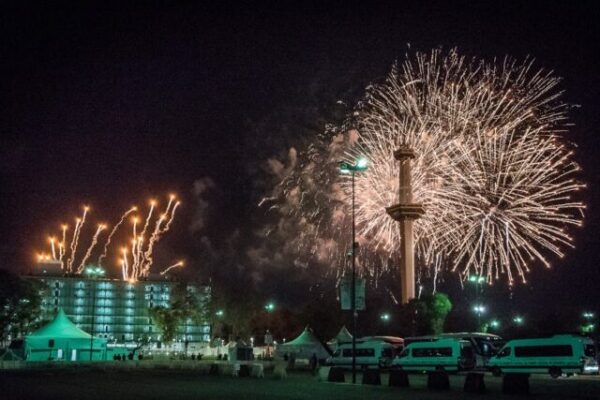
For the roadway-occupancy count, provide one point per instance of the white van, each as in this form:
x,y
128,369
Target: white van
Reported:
x,y
485,345
556,355
371,352
445,354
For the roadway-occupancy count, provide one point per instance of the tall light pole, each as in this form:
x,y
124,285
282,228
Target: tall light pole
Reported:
x,y
478,281
479,309
269,307
93,272
345,167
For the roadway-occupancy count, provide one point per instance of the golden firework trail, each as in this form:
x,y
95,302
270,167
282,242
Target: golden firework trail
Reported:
x,y
179,264
75,240
112,233
52,239
88,252
61,246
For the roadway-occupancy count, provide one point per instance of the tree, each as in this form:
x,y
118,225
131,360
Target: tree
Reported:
x,y
185,304
20,305
438,305
167,320
425,316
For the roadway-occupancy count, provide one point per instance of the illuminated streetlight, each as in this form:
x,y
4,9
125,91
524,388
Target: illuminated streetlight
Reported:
x,y
270,307
219,313
495,323
479,309
345,168
93,272
518,320
385,317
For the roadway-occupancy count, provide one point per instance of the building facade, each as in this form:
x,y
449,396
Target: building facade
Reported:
x,y
119,310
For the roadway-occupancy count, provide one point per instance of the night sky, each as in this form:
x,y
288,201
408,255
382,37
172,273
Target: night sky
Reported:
x,y
109,105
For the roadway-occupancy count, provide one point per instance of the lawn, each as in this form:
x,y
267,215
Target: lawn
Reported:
x,y
87,384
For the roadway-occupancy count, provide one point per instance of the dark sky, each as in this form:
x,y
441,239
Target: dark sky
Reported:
x,y
109,104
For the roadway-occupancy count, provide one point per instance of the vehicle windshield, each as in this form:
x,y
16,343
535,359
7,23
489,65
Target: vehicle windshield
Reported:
x,y
590,350
404,353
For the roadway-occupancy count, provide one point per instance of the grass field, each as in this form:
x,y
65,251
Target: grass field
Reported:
x,y
83,384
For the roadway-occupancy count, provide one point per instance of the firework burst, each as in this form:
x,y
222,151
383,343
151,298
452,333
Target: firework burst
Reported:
x,y
491,170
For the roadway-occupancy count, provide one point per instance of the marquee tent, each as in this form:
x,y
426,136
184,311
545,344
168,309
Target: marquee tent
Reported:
x,y
343,336
304,346
60,339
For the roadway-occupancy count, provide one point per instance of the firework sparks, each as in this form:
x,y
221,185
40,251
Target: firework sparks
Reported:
x,y
52,247
112,233
88,252
141,258
75,241
61,246
179,264
497,183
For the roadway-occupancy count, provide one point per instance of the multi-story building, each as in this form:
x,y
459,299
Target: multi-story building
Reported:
x,y
119,310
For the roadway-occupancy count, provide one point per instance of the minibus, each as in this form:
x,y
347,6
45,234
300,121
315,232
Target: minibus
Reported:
x,y
442,354
557,355
371,352
485,345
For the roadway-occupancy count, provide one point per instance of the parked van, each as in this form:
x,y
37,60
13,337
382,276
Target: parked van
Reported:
x,y
556,355
485,345
371,352
447,354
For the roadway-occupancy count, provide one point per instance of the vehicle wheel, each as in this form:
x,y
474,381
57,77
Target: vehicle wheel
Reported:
x,y
555,372
496,371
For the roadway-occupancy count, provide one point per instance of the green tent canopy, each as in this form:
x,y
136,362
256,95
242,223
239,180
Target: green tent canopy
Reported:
x,y
60,339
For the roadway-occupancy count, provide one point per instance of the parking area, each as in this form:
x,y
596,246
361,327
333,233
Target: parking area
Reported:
x,y
182,384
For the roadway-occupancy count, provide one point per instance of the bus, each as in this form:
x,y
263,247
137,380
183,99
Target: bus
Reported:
x,y
557,355
442,354
371,352
485,345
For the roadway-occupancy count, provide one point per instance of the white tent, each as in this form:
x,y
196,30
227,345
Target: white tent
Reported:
x,y
343,336
304,346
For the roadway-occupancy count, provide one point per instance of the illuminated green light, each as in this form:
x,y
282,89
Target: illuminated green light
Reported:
x,y
220,313
385,317
479,308
588,315
362,163
495,323
476,279
270,307
518,320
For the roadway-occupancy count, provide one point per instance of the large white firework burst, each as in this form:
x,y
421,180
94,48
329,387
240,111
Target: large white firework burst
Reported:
x,y
491,170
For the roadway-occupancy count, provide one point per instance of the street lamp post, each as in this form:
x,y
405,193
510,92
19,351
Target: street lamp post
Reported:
x,y
345,167
477,281
479,309
93,272
269,307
